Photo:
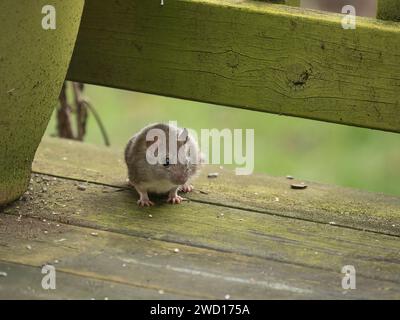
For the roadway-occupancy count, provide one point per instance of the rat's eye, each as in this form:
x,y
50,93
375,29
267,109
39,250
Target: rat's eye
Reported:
x,y
166,164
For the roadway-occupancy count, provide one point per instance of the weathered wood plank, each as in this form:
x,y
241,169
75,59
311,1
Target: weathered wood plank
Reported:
x,y
261,193
152,265
218,253
246,54
23,282
289,241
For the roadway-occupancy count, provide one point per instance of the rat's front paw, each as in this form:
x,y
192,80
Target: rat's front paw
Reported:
x,y
186,188
145,203
175,199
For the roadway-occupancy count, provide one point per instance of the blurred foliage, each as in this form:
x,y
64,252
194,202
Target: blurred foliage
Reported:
x,y
309,150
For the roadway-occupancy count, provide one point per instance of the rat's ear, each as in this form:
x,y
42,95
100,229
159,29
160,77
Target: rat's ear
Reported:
x,y
184,136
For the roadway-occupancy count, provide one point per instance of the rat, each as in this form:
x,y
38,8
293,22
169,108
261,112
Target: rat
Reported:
x,y
175,166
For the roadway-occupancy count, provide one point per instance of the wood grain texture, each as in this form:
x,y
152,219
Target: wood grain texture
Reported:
x,y
321,203
246,54
220,250
200,249
23,282
153,265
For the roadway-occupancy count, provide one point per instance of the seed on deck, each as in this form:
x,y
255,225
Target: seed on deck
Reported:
x,y
213,175
298,186
3,274
94,234
176,250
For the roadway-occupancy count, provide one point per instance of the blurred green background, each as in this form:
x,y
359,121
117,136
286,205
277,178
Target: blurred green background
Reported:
x,y
309,150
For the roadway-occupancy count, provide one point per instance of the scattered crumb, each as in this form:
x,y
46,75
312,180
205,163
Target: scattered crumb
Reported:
x,y
227,297
161,291
213,175
3,274
176,250
29,247
276,199
289,177
150,216
95,234
81,187
332,222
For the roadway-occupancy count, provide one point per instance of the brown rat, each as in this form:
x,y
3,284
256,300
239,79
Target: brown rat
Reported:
x,y
174,167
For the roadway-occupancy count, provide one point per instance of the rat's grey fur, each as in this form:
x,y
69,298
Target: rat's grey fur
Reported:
x,y
158,178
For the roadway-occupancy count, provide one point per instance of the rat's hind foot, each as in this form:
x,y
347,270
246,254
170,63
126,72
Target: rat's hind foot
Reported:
x,y
145,203
175,199
186,188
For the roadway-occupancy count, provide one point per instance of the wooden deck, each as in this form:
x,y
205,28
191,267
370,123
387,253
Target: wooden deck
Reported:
x,y
247,237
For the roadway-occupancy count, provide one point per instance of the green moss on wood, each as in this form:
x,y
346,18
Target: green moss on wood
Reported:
x,y
321,203
256,235
33,64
